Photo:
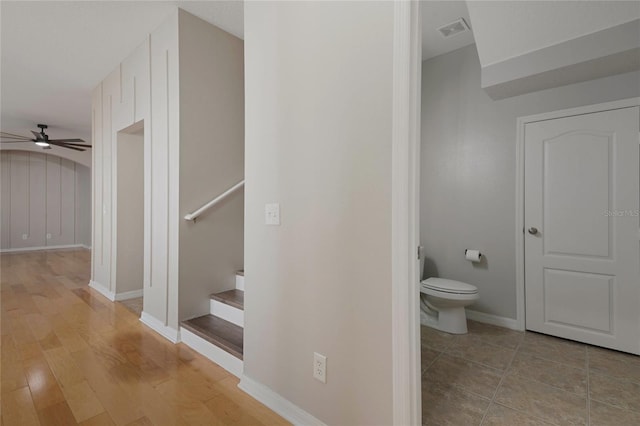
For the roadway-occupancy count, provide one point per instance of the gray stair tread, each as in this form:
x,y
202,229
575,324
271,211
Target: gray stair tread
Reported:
x,y
224,334
233,298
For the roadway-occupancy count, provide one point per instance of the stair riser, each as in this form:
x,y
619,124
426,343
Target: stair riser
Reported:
x,y
240,282
228,313
224,359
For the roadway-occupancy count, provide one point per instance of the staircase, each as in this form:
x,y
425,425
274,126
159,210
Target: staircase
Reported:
x,y
219,335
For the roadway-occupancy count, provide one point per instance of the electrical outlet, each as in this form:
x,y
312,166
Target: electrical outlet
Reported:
x,y
272,214
320,367
25,236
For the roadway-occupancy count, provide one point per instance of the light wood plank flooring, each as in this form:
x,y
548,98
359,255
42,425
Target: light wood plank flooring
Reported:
x,y
70,356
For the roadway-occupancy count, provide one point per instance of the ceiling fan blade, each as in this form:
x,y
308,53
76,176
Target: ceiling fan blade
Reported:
x,y
28,140
73,144
67,140
13,136
62,145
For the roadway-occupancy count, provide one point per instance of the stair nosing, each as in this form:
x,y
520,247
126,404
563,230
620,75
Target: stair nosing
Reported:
x,y
232,303
220,341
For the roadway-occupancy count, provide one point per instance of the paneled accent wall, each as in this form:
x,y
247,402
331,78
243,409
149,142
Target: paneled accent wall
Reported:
x,y
121,100
140,91
45,201
185,81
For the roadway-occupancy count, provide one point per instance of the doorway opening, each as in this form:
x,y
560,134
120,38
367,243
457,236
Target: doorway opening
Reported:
x,y
130,217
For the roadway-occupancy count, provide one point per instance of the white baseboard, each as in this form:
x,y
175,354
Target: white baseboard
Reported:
x,y
102,290
223,358
493,320
18,250
128,295
114,297
277,403
84,246
227,312
171,334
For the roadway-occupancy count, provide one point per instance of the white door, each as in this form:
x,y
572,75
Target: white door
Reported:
x,y
582,230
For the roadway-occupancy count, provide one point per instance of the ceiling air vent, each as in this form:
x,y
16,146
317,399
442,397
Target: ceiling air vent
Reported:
x,y
456,27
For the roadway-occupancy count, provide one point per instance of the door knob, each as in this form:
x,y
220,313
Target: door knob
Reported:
x,y
533,231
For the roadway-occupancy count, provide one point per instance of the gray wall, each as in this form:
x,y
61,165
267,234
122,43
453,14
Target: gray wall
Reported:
x,y
83,205
43,196
468,170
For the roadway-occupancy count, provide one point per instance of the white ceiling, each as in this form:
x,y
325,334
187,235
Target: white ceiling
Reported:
x,y
54,53
435,14
506,29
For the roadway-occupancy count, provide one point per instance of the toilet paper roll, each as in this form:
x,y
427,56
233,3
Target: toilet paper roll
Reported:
x,y
472,255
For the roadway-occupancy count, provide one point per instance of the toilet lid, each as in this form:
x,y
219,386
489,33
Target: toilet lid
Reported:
x,y
449,286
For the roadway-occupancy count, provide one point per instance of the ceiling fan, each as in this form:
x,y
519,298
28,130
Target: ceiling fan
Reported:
x,y
42,139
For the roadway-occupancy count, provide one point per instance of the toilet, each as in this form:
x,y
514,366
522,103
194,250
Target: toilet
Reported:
x,y
443,302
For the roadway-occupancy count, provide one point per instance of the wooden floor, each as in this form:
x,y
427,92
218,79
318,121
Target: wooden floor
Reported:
x,y
69,356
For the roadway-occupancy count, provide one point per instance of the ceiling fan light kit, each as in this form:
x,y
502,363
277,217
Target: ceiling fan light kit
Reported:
x,y
42,140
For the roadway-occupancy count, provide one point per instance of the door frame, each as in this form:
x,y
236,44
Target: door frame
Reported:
x,y
520,161
405,181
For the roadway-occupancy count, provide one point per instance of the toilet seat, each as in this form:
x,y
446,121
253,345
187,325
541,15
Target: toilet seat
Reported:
x,y
448,286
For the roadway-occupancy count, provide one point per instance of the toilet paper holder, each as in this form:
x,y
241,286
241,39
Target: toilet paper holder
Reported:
x,y
479,253
466,250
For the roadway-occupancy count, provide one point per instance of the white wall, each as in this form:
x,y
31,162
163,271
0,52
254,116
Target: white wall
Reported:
x,y
211,161
318,141
45,198
123,98
468,169
534,24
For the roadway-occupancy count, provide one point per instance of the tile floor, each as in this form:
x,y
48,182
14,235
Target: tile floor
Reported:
x,y
494,376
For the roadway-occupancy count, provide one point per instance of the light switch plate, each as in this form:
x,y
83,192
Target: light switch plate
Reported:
x,y
272,214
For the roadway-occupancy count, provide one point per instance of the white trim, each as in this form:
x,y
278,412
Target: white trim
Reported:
x,y
40,248
405,154
522,121
239,282
588,109
221,357
86,247
102,290
227,312
277,403
171,334
520,308
505,322
128,295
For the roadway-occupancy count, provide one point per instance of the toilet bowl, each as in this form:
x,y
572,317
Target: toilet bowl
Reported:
x,y
443,303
